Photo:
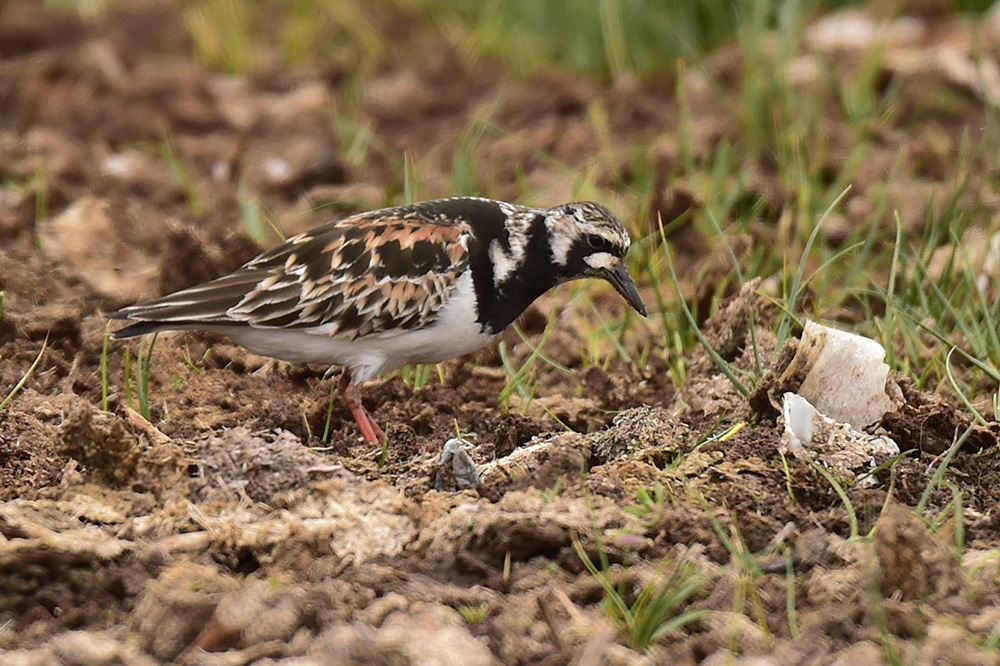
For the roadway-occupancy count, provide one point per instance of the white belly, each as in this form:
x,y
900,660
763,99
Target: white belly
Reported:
x,y
455,333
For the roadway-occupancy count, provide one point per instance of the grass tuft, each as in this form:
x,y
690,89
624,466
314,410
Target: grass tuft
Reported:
x,y
523,380
144,363
418,376
654,615
473,615
648,508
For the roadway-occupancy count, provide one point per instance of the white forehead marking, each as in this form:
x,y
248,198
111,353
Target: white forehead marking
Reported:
x,y
601,261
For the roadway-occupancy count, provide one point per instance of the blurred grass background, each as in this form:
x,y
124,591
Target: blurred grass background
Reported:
x,y
598,38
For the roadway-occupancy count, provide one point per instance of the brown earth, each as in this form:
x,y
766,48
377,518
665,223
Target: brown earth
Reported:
x,y
229,530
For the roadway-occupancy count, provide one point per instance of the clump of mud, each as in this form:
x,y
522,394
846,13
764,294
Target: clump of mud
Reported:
x,y
101,442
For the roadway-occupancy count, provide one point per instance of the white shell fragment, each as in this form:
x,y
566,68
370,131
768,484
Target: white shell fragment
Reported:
x,y
849,454
847,375
844,389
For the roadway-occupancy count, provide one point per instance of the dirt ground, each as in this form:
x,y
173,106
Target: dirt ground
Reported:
x,y
228,530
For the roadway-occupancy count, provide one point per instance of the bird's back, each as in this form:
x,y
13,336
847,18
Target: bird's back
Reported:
x,y
386,270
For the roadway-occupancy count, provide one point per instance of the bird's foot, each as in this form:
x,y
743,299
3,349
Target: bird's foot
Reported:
x,y
370,431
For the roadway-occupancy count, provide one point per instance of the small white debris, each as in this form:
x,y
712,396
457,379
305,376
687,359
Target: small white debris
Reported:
x,y
277,170
221,172
991,263
459,454
116,165
839,447
855,30
798,415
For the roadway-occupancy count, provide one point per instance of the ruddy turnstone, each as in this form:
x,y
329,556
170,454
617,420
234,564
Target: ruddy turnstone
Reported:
x,y
412,284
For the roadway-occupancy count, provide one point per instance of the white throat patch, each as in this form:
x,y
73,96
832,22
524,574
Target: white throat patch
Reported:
x,y
601,261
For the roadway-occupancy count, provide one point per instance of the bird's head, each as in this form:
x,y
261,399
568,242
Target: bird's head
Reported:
x,y
589,241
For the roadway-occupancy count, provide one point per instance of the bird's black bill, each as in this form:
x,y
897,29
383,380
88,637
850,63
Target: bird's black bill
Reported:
x,y
622,281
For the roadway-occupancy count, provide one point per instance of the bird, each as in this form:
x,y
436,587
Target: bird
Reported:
x,y
416,283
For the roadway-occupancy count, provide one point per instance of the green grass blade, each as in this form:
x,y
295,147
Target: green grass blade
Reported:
x,y
797,278
719,362
329,414
143,387
938,478
959,391
24,378
104,368
852,516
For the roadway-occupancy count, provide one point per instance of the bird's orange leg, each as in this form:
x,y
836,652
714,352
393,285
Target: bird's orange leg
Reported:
x,y
370,431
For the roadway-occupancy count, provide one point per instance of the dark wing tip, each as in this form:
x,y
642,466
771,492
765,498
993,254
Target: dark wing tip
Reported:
x,y
146,327
138,328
